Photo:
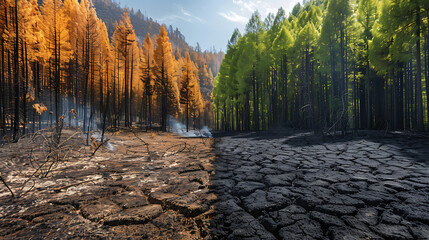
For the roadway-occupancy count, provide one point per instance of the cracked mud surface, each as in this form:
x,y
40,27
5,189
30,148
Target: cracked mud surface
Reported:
x,y
130,194
301,187
248,186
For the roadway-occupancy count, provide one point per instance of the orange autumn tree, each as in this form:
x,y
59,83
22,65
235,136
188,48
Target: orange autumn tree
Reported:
x,y
58,45
196,105
103,69
166,87
58,54
190,94
18,36
32,44
125,46
147,77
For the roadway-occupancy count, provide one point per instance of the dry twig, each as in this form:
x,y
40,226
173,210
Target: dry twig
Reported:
x,y
57,190
7,186
176,152
143,141
99,146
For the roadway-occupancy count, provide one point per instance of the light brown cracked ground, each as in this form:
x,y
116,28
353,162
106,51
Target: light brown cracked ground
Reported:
x,y
125,193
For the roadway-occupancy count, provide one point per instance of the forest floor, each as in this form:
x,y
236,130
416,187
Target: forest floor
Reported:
x,y
287,185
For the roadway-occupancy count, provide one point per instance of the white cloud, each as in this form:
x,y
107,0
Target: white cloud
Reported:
x,y
245,5
172,19
233,17
189,15
183,15
264,7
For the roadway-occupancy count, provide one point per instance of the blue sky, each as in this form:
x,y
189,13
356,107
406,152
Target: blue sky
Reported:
x,y
209,22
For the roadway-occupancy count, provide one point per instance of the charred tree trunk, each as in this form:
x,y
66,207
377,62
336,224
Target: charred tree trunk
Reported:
x,y
126,103
16,84
255,104
3,90
419,97
131,89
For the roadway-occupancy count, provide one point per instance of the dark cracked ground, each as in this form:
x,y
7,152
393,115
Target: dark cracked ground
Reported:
x,y
248,186
301,187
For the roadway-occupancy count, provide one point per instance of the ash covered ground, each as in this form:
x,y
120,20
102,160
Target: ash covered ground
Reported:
x,y
127,192
151,185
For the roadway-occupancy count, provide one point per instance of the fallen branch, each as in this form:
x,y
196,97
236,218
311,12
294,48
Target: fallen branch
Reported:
x,y
48,152
10,190
173,153
57,190
143,141
31,188
101,144
68,139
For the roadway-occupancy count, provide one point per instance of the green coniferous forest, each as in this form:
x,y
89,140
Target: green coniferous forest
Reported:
x,y
330,65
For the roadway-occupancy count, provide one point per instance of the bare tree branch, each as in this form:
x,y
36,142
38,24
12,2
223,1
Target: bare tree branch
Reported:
x,y
7,186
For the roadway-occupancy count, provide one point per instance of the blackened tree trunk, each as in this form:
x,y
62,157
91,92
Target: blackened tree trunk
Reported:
x,y
427,71
24,94
127,124
342,80
101,88
255,105
16,85
419,99
237,120
284,79
131,89
368,92
2,90
247,112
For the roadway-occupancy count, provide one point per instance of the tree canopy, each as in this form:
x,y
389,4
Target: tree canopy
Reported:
x,y
331,65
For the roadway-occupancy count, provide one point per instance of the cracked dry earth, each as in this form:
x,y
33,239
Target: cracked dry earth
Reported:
x,y
248,186
300,187
121,194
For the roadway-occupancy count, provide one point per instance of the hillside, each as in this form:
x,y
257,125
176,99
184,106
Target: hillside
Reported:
x,y
208,62
110,12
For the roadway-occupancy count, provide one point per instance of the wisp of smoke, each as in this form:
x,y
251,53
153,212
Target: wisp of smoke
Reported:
x,y
180,128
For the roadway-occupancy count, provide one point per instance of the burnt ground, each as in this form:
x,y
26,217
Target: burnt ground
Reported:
x,y
126,193
246,186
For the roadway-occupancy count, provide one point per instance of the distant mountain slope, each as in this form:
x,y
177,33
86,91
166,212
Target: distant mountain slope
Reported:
x,y
208,62
110,12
